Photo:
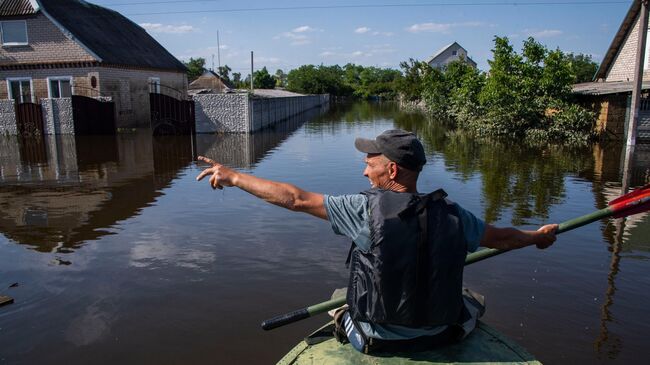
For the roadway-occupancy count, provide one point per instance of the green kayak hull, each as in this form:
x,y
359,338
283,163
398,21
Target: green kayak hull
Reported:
x,y
483,346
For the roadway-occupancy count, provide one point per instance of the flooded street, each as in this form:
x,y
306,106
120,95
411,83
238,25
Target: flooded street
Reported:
x,y
121,257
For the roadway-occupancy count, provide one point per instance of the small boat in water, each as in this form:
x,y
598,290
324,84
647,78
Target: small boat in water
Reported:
x,y
484,345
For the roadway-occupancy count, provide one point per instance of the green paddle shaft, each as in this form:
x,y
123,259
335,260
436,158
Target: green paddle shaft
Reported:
x,y
471,258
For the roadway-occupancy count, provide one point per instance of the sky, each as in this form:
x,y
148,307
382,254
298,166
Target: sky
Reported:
x,y
285,34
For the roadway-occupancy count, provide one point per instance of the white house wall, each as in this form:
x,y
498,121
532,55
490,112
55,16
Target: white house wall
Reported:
x,y
622,68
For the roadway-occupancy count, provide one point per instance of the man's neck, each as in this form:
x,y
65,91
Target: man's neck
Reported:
x,y
401,188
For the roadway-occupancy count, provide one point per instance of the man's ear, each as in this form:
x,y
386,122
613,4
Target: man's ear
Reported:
x,y
392,170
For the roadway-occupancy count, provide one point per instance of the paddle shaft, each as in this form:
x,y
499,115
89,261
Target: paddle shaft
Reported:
x,y
618,209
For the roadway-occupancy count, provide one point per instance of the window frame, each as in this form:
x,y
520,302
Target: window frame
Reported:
x,y
59,78
31,87
13,44
154,81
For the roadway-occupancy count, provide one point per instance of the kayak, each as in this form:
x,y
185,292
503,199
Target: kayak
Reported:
x,y
484,345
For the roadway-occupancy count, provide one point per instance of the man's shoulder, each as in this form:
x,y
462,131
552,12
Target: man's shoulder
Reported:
x,y
349,200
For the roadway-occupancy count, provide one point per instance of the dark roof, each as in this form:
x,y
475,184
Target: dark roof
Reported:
x,y
109,35
16,7
619,38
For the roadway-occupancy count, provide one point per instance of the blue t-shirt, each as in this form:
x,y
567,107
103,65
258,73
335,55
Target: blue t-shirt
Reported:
x,y
348,215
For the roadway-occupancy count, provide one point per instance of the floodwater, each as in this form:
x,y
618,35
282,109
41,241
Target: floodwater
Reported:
x,y
121,257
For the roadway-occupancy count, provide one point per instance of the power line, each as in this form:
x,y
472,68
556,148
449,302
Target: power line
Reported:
x,y
363,6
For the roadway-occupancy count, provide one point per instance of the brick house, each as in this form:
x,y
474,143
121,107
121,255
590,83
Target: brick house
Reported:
x,y
449,53
611,90
57,48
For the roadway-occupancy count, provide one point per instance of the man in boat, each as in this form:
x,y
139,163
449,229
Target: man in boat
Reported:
x,y
406,261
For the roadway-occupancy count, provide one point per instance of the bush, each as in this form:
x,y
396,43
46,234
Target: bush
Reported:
x,y
512,100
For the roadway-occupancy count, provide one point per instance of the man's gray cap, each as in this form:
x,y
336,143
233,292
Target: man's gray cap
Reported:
x,y
397,145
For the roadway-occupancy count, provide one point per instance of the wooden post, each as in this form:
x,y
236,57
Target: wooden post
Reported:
x,y
638,74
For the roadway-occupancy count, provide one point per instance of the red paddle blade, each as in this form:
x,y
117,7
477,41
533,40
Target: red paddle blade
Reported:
x,y
634,202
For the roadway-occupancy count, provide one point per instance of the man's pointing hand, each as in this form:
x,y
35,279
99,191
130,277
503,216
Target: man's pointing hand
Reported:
x,y
221,175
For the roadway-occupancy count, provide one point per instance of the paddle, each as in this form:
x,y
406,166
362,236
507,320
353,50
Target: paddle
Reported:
x,y
632,203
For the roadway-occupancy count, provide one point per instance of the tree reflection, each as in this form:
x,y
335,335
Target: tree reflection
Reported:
x,y
527,179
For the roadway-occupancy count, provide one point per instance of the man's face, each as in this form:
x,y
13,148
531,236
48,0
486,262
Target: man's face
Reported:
x,y
377,170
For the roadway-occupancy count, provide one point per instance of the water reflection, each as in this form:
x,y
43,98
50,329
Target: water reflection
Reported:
x,y
245,150
80,187
527,179
216,255
628,237
60,191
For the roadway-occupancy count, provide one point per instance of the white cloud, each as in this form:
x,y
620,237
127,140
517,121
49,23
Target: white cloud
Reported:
x,y
370,51
303,29
369,31
167,28
441,27
429,27
297,35
546,33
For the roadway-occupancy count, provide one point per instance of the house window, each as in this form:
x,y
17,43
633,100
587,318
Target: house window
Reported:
x,y
454,53
20,89
154,85
14,33
59,87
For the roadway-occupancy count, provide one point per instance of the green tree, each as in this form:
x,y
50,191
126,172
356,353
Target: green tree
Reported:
x,y
236,80
263,80
309,79
525,95
195,68
582,67
280,78
464,84
224,72
376,82
411,85
247,82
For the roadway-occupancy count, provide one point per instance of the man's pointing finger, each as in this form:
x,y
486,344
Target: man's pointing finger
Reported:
x,y
208,160
203,174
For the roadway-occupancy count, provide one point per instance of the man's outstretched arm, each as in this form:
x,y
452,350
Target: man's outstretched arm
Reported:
x,y
512,238
281,194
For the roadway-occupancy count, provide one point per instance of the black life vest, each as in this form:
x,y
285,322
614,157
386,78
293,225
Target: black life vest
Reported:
x,y
412,275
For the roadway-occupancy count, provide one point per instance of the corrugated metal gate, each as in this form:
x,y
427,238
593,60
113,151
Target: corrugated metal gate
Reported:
x,y
92,116
170,115
29,119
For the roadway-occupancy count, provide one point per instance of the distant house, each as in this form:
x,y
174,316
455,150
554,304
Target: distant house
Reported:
x,y
449,53
210,82
57,48
611,89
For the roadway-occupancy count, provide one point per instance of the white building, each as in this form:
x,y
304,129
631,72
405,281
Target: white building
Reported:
x,y
449,53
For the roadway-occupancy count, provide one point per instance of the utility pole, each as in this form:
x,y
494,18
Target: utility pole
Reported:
x,y
638,74
251,71
218,52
